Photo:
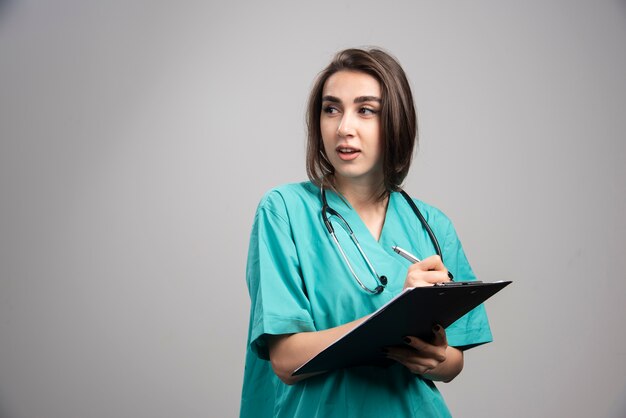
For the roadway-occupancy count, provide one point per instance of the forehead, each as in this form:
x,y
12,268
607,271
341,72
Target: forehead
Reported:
x,y
350,84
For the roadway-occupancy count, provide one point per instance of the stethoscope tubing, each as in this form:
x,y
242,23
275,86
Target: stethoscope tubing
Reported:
x,y
382,280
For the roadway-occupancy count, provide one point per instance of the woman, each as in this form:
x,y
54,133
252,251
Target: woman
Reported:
x,y
305,294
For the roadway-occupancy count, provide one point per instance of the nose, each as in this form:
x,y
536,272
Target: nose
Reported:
x,y
347,125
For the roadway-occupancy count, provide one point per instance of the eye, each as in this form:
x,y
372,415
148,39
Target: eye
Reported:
x,y
331,110
368,111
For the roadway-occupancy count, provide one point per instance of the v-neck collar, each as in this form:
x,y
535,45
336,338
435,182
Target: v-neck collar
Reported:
x,y
341,205
379,251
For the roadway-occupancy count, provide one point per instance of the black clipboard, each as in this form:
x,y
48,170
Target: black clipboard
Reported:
x,y
414,312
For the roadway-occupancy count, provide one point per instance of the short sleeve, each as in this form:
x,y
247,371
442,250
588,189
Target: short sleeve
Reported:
x,y
279,304
472,329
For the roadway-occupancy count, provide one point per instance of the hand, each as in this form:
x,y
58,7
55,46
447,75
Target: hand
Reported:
x,y
419,356
426,273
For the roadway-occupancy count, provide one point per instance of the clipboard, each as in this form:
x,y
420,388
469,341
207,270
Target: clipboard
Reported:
x,y
413,312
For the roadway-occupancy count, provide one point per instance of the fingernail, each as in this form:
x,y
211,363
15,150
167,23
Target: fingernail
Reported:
x,y
407,340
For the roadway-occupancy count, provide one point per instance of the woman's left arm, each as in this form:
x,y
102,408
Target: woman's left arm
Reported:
x,y
435,361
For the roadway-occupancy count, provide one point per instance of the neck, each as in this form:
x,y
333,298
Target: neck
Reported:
x,y
363,196
365,200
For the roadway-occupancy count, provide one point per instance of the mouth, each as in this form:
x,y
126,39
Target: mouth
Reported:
x,y
347,153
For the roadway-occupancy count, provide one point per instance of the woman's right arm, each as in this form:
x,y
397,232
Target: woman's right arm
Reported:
x,y
290,351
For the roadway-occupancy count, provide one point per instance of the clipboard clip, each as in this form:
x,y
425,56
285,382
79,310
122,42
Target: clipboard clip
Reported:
x,y
457,284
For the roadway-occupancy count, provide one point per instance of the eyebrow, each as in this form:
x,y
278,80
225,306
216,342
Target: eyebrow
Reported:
x,y
360,99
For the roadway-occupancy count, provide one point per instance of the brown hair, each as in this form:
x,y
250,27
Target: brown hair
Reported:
x,y
398,118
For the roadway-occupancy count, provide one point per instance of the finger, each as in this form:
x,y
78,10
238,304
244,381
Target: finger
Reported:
x,y
427,350
440,339
421,268
411,359
427,264
417,343
418,368
432,263
414,367
418,278
407,354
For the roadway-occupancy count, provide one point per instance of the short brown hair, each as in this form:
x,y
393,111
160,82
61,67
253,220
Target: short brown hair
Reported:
x,y
398,118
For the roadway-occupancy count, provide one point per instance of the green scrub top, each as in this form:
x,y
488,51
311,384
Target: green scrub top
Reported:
x,y
299,282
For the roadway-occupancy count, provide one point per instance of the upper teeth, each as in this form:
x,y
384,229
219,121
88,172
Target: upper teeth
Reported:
x,y
346,150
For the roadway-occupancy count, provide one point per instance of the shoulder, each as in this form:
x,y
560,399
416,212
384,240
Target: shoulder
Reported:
x,y
433,215
285,198
440,224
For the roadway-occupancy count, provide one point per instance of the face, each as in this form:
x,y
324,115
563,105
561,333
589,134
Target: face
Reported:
x,y
350,126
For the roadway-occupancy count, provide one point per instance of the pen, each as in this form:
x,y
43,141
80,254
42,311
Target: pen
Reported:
x,y
404,253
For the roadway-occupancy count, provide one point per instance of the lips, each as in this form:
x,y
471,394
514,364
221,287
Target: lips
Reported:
x,y
347,153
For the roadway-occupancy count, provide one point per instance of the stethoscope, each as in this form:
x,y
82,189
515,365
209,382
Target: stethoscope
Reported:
x,y
380,279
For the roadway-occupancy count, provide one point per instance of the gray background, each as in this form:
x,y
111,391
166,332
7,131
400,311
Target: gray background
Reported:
x,y
136,139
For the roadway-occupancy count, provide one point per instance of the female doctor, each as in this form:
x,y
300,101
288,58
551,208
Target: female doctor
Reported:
x,y
310,283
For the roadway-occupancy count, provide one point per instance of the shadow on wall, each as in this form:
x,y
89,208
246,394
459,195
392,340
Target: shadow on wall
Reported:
x,y
4,7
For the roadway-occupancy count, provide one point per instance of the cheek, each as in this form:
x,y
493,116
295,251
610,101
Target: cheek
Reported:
x,y
375,137
327,130
327,127
328,147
